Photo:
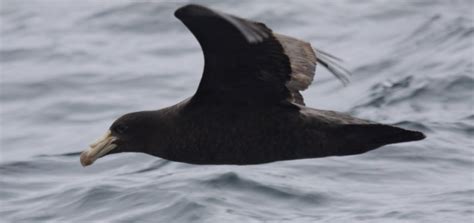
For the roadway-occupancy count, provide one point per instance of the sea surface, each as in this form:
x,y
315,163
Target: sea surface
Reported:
x,y
70,68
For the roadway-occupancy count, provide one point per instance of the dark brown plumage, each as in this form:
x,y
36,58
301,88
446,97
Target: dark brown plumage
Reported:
x,y
248,108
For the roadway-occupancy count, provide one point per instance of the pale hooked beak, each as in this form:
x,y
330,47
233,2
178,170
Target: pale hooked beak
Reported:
x,y
102,146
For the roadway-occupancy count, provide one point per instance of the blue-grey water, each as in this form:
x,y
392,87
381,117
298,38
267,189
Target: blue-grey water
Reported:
x,y
70,68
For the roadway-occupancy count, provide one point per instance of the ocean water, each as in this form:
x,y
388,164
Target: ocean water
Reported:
x,y
70,68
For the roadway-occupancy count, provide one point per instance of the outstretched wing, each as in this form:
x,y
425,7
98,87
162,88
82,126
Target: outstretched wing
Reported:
x,y
245,62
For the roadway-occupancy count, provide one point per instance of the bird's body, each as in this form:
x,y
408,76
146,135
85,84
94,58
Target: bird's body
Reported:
x,y
248,108
225,134
231,134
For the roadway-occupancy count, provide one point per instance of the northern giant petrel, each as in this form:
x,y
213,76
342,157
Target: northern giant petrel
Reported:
x,y
247,108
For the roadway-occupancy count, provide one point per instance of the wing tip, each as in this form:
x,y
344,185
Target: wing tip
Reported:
x,y
332,64
190,10
253,32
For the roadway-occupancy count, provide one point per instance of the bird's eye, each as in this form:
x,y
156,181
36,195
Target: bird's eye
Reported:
x,y
120,128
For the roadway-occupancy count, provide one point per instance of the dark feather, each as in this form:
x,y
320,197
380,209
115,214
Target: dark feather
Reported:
x,y
246,63
330,62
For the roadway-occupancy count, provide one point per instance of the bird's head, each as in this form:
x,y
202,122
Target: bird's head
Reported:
x,y
129,133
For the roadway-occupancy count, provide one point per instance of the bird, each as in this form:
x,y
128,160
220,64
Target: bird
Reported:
x,y
248,108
